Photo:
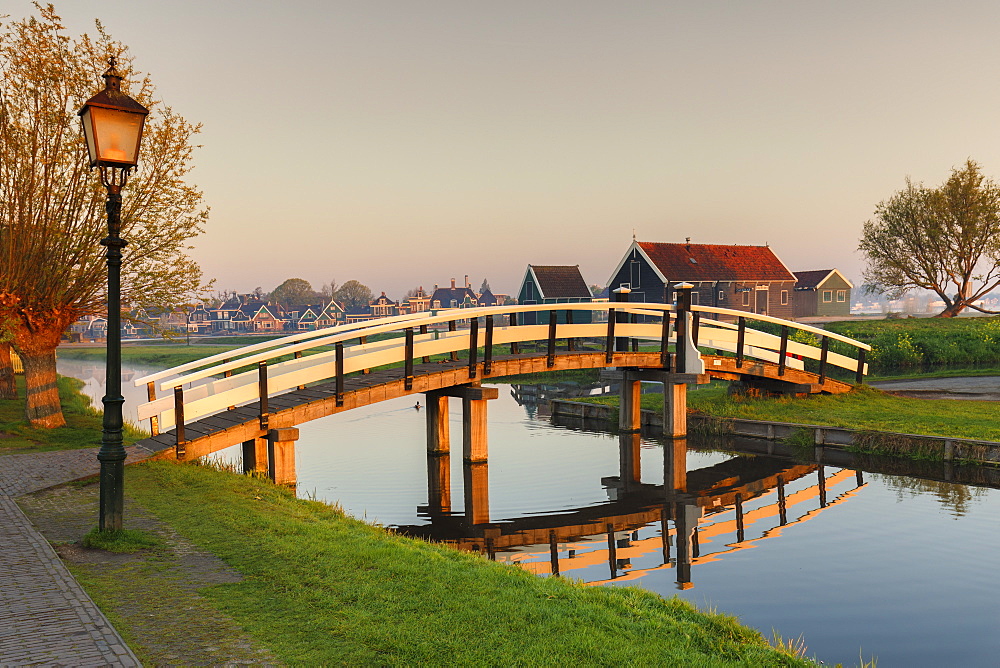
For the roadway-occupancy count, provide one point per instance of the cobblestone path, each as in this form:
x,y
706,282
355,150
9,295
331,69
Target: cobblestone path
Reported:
x,y
45,616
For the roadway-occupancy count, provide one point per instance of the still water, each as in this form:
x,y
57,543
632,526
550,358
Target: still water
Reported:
x,y
871,558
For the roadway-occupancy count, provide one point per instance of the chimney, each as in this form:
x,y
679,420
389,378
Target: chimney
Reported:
x,y
453,284
435,287
466,280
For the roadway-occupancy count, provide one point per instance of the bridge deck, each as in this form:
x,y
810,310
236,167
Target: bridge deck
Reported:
x,y
216,432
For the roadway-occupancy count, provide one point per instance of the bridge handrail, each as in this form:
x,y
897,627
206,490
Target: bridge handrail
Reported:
x,y
295,343
766,318
231,360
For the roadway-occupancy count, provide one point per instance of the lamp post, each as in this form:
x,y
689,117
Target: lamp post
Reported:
x,y
112,125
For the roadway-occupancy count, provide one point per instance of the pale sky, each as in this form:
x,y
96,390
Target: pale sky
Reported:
x,y
406,142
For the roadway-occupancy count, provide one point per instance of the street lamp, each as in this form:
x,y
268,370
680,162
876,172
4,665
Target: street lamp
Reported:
x,y
112,125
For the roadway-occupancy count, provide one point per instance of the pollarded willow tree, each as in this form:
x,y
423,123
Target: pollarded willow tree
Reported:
x,y
944,239
52,217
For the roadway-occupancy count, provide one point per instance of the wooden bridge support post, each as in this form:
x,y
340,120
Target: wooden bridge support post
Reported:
x,y
439,482
629,405
675,410
477,492
474,441
255,455
438,437
281,455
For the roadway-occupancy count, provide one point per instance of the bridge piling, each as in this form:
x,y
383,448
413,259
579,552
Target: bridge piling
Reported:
x,y
255,456
438,437
281,455
630,408
474,440
674,410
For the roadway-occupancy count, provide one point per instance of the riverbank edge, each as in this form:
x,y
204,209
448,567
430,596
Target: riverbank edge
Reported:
x,y
738,644
896,444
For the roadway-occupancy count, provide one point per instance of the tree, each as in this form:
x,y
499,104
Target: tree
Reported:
x,y
328,290
595,289
485,287
293,292
52,217
945,239
353,294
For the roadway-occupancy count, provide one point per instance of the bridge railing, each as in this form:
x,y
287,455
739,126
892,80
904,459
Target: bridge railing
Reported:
x,y
224,381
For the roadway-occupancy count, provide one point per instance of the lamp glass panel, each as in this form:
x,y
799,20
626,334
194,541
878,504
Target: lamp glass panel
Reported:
x,y
117,134
88,132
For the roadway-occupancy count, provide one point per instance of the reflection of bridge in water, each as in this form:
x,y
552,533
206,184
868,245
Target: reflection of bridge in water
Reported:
x,y
695,511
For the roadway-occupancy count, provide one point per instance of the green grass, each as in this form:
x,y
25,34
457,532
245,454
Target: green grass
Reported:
x,y
121,541
863,408
82,430
321,588
159,354
926,342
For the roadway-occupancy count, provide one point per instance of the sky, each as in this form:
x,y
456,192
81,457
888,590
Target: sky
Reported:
x,y
404,143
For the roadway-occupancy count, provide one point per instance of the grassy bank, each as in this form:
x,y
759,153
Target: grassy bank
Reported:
x,y
908,343
863,408
159,354
83,423
322,588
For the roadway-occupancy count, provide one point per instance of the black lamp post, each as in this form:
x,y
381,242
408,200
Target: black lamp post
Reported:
x,y
112,124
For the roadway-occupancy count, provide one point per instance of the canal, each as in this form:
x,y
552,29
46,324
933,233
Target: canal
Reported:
x,y
866,558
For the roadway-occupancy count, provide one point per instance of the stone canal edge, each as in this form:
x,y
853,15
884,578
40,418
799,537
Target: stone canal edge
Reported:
x,y
877,442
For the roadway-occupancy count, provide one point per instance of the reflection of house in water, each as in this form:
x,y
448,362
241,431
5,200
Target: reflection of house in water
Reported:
x,y
535,397
700,515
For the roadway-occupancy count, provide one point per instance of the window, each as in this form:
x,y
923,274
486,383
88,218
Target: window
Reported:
x,y
695,297
746,297
722,296
841,295
634,272
784,297
827,296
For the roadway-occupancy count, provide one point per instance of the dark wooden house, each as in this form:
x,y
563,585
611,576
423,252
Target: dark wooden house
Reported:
x,y
554,284
453,297
744,278
823,292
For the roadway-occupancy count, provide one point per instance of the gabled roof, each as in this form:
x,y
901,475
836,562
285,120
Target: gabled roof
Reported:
x,y
445,295
559,281
487,299
713,262
814,278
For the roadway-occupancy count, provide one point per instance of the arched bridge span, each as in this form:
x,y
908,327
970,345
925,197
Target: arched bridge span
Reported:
x,y
248,393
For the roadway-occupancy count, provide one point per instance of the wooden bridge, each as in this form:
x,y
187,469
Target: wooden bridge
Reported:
x,y
258,394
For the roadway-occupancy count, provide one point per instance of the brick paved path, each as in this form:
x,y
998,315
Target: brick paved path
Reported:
x,y
45,616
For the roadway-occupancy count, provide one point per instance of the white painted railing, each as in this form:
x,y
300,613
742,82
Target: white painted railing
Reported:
x,y
212,384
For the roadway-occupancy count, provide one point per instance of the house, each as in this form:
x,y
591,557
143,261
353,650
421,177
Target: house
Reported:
x,y
303,317
553,284
743,278
221,317
418,303
383,307
823,292
355,314
453,297
333,314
